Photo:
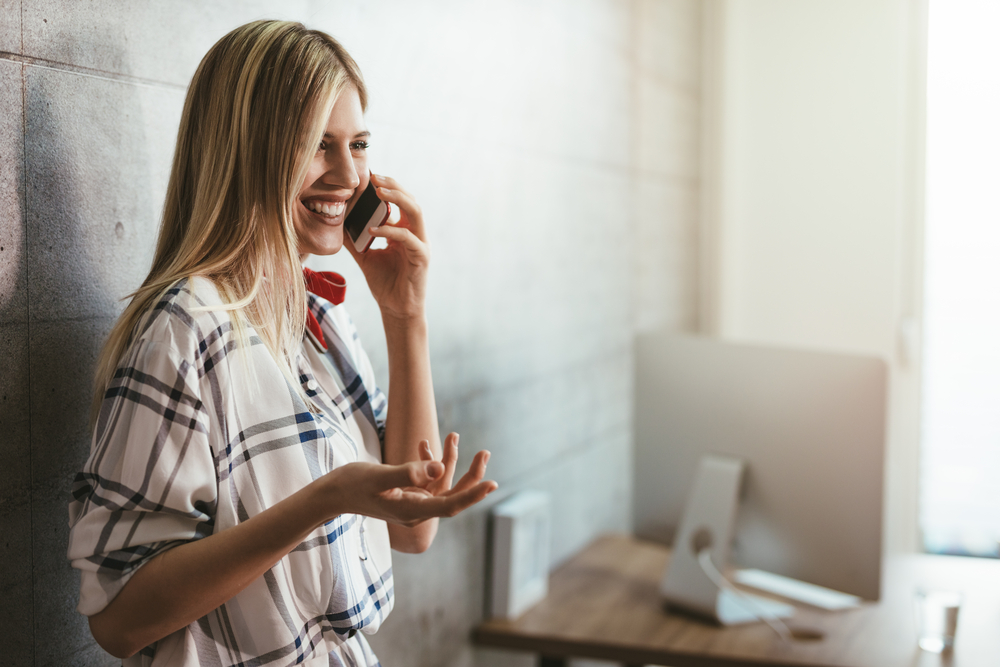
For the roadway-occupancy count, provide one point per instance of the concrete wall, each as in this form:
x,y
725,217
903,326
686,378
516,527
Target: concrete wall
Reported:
x,y
553,147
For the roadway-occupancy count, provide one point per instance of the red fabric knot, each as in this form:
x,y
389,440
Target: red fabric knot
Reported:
x,y
329,285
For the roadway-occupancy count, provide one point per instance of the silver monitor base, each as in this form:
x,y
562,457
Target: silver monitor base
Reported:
x,y
731,609
707,524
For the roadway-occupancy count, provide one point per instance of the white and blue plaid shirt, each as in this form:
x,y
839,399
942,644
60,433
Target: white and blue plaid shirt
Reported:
x,y
191,441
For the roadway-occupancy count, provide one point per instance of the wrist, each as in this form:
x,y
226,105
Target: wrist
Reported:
x,y
323,499
408,323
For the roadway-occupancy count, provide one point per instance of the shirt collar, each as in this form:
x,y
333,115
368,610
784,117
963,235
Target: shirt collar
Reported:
x,y
329,285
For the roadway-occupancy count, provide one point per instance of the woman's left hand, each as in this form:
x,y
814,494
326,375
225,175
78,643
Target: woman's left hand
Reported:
x,y
397,274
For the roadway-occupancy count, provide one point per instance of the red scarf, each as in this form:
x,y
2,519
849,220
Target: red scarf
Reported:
x,y
329,285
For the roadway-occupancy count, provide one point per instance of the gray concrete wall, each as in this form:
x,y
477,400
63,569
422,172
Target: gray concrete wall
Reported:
x,y
553,146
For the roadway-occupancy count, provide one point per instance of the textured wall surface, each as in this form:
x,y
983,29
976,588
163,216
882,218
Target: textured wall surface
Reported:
x,y
553,147
667,149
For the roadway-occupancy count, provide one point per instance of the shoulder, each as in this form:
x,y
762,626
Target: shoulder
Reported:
x,y
188,319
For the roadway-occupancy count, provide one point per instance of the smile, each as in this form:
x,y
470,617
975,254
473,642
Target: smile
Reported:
x,y
326,209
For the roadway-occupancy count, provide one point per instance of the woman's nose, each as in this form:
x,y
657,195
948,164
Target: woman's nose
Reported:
x,y
341,171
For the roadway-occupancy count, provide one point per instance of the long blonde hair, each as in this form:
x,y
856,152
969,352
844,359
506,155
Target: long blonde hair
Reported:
x,y
256,109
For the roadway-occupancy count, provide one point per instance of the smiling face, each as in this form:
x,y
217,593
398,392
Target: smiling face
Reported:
x,y
336,178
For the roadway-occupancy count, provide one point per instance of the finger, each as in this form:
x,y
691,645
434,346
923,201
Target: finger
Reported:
x,y
415,508
442,482
424,448
464,499
467,480
477,470
391,185
410,215
450,459
386,181
408,493
404,237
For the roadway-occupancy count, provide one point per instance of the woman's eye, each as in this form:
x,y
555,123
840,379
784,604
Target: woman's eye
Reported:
x,y
322,147
359,145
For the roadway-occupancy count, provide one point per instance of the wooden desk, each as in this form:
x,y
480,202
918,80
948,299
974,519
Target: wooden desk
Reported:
x,y
604,604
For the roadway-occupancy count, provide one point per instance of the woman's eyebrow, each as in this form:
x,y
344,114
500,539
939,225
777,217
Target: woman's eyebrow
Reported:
x,y
359,135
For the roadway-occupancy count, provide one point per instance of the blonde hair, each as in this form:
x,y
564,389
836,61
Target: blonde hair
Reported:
x,y
256,109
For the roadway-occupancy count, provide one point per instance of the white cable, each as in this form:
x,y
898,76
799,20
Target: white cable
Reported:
x,y
723,584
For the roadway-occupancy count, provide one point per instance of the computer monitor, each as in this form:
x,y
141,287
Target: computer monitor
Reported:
x,y
811,428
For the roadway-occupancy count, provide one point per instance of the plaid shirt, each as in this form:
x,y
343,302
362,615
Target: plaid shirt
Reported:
x,y
194,436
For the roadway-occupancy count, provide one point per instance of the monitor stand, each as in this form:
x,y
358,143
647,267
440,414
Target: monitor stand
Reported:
x,y
708,523
731,609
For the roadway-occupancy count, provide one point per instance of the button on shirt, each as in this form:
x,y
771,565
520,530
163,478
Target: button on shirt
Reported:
x,y
193,438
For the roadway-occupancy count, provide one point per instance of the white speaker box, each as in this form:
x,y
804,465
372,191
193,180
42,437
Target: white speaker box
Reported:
x,y
521,536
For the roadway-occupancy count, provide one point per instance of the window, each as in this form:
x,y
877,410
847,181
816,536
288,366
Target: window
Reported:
x,y
960,459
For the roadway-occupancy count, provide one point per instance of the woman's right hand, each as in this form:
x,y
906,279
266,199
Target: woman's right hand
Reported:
x,y
405,494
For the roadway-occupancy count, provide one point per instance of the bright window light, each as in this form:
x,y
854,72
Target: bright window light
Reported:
x,y
960,460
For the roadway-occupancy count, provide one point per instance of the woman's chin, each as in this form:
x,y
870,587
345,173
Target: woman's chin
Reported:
x,y
317,234
328,244
322,252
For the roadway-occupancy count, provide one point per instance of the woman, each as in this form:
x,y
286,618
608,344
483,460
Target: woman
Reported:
x,y
247,478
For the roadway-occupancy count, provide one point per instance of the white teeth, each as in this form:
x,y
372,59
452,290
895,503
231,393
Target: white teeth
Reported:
x,y
328,209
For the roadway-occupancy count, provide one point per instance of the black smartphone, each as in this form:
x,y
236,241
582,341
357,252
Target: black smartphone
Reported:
x,y
369,212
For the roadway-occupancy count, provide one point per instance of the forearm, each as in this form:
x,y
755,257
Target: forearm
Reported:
x,y
185,583
412,414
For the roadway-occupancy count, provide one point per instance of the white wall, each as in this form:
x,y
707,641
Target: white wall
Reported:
x,y
814,176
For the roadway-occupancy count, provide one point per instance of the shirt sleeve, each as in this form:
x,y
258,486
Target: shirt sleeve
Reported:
x,y
150,481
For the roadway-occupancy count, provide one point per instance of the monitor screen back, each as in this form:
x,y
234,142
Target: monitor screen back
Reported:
x,y
810,426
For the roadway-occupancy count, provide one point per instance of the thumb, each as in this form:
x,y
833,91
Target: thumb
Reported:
x,y
415,473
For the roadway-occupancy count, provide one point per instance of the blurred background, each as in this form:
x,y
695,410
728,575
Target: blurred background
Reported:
x,y
589,170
